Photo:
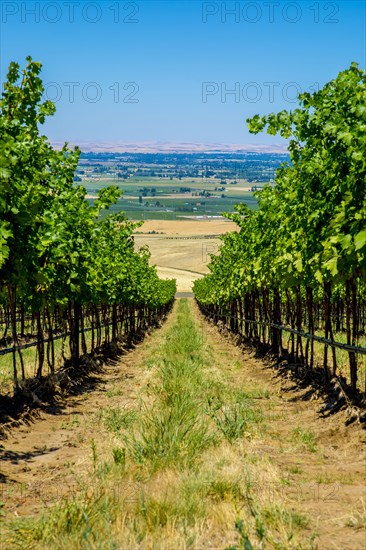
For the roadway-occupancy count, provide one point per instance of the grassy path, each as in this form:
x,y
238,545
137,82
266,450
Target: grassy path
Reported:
x,y
202,453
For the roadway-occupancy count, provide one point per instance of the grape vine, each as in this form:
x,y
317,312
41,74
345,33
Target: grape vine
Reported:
x,y
300,259
63,268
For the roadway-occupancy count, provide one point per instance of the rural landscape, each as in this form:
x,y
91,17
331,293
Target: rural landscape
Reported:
x,y
182,323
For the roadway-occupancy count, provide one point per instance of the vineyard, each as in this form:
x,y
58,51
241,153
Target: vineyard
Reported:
x,y
298,264
187,441
70,278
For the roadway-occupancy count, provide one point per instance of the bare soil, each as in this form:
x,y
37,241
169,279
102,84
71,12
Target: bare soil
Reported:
x,y
51,456
327,480
324,478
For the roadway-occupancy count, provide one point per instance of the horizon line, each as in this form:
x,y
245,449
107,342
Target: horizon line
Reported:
x,y
116,146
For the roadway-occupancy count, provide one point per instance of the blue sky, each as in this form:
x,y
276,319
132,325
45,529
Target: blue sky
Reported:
x,y
163,71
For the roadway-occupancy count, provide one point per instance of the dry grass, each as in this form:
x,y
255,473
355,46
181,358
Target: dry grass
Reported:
x,y
189,227
177,474
254,470
176,250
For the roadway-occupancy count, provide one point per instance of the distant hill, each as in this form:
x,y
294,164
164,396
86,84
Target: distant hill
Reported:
x,y
183,147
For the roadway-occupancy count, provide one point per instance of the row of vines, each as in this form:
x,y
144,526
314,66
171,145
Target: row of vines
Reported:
x,y
299,261
68,272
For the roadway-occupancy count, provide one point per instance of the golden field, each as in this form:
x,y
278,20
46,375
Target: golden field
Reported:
x,y
181,249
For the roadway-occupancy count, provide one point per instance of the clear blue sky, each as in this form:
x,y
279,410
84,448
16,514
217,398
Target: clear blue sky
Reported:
x,y
177,60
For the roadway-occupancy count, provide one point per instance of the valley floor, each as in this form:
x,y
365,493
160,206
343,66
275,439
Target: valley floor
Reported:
x,y
187,442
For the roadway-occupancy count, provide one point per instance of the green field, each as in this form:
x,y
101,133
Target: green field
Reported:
x,y
167,202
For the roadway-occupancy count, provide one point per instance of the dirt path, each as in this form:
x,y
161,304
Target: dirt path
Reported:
x,y
322,462
52,456
315,465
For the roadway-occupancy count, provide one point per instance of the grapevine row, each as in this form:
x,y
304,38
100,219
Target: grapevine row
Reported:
x,y
65,267
300,258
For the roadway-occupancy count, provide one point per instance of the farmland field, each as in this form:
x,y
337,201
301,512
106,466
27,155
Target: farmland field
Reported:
x,y
167,201
181,248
